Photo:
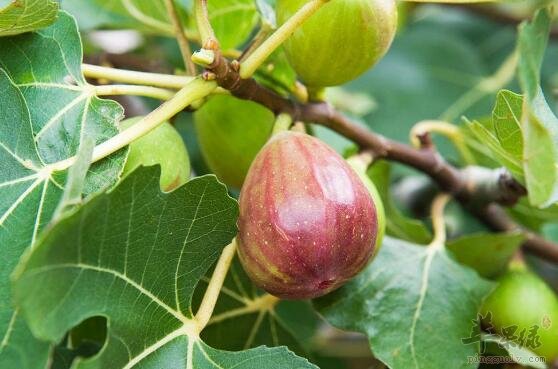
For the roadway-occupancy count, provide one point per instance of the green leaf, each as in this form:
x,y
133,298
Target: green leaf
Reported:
x,y
246,317
151,17
489,254
531,217
46,66
397,224
495,149
135,256
532,41
148,16
414,303
506,118
238,15
33,135
540,153
267,13
20,16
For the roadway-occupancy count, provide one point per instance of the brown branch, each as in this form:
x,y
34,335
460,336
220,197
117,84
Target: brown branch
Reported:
x,y
470,186
496,15
497,219
427,160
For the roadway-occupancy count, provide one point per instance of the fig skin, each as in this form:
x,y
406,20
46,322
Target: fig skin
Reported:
x,y
230,132
342,40
307,223
163,146
523,299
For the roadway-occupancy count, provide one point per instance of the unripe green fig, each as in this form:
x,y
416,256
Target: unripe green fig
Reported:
x,y
163,146
230,133
523,300
340,41
360,168
307,223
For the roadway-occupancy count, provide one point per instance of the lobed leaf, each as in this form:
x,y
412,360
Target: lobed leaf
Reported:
x,y
47,112
135,256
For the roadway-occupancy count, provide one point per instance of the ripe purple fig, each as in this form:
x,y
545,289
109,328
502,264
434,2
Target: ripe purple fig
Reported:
x,y
307,222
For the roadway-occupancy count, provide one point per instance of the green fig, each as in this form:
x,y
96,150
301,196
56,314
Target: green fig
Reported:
x,y
360,168
342,40
230,133
522,300
163,146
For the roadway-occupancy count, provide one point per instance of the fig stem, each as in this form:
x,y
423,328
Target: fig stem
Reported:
x,y
259,38
360,162
213,290
282,123
134,77
438,223
299,127
448,130
260,55
193,91
134,90
202,21
181,37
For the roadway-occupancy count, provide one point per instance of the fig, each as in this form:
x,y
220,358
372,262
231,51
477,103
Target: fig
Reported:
x,y
163,146
360,168
307,222
342,40
523,300
230,133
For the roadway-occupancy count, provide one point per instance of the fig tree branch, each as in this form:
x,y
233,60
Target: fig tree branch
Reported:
x,y
481,190
134,90
134,77
425,159
448,130
496,15
497,219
